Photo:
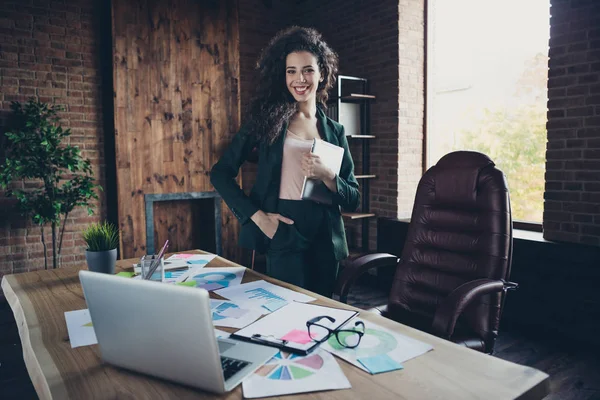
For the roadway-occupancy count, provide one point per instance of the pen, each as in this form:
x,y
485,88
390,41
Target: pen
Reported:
x,y
156,262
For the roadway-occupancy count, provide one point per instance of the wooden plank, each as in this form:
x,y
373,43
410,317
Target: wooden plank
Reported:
x,y
357,215
174,86
360,136
39,300
361,96
365,176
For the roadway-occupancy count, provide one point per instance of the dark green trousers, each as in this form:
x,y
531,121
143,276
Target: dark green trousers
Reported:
x,y
302,253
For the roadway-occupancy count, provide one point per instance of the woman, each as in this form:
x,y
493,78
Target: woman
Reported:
x,y
303,240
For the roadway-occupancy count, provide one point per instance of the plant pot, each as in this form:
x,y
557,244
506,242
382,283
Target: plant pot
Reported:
x,y
101,261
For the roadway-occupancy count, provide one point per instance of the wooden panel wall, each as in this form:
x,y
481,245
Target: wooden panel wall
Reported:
x,y
176,84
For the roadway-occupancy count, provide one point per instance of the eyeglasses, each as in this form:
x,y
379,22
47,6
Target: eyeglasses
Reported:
x,y
349,338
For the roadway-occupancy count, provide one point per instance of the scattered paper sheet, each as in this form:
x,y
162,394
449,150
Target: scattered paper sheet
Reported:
x,y
275,326
380,363
377,341
195,260
168,266
221,334
180,256
177,261
288,373
262,294
80,328
234,312
275,305
215,278
174,276
223,316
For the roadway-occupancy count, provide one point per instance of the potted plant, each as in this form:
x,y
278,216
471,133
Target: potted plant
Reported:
x,y
48,176
102,239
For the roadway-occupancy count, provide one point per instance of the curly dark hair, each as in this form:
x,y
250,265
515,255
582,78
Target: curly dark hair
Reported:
x,y
272,104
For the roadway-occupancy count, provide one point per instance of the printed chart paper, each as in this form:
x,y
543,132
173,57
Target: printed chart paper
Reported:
x,y
289,323
80,328
377,341
380,363
288,373
194,260
261,294
215,278
230,315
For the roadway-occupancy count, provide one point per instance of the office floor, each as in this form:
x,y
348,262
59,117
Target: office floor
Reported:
x,y
575,372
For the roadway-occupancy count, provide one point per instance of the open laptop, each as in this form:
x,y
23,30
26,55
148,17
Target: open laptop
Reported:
x,y
166,331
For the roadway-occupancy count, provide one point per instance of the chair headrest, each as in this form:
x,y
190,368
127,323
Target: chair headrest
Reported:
x,y
464,159
456,176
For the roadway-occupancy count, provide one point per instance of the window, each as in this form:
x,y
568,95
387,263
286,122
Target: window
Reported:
x,y
486,89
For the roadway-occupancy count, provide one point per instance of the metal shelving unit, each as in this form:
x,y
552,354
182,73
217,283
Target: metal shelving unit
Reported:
x,y
352,109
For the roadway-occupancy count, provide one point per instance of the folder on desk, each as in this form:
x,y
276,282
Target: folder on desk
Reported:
x,y
331,155
286,328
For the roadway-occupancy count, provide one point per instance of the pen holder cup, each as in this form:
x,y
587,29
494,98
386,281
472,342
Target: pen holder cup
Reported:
x,y
146,263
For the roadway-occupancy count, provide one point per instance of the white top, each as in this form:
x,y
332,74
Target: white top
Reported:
x,y
292,177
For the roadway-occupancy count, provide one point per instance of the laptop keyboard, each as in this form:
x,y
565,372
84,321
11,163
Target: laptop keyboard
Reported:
x,y
231,366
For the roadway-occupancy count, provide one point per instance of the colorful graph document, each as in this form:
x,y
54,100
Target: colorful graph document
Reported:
x,y
377,347
80,328
215,278
288,373
263,295
194,260
175,276
231,315
286,328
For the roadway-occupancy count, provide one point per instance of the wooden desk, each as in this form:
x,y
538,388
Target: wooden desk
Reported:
x,y
39,300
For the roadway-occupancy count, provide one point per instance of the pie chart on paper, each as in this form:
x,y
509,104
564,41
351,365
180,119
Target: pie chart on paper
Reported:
x,y
211,278
286,366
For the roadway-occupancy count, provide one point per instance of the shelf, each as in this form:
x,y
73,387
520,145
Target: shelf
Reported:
x,y
353,216
352,98
360,136
356,97
365,176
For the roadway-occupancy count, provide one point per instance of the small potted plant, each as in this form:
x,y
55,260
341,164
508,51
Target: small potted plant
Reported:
x,y
102,240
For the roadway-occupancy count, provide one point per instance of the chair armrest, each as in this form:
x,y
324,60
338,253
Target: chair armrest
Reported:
x,y
358,267
447,313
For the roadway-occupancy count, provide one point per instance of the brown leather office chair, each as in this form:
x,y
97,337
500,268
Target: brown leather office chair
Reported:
x,y
452,277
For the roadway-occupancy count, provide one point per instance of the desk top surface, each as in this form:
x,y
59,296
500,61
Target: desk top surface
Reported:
x,y
39,300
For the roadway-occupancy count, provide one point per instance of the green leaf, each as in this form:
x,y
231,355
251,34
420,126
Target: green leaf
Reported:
x,y
35,152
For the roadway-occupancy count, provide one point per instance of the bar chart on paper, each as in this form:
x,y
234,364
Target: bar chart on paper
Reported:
x,y
260,293
263,295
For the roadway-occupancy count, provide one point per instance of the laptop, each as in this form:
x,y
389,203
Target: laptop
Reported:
x,y
166,331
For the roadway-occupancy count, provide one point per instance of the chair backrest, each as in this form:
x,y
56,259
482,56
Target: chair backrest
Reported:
x,y
460,230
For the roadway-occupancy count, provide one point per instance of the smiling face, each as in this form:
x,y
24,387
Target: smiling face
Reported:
x,y
302,75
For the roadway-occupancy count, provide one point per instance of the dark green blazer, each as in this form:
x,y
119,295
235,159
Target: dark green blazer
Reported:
x,y
265,192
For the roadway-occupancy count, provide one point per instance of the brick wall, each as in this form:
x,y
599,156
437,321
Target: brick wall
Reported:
x,y
49,50
572,197
258,21
384,42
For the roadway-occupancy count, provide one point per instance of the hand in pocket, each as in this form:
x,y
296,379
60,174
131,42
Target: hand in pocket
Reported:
x,y
270,223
